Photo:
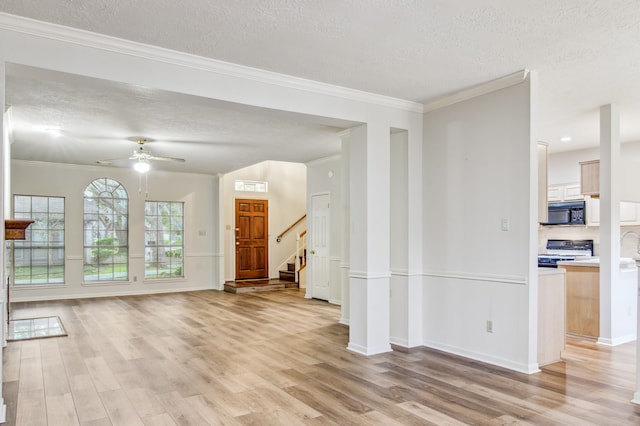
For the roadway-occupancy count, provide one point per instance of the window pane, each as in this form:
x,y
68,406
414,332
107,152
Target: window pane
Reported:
x,y
39,204
163,239
106,231
21,204
56,205
39,259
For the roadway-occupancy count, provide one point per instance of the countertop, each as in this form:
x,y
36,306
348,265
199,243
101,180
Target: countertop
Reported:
x,y
594,262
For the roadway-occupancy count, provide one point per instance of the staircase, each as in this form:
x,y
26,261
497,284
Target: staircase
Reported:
x,y
289,270
289,275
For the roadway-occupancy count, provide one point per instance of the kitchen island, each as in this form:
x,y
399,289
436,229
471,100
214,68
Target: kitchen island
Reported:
x,y
608,312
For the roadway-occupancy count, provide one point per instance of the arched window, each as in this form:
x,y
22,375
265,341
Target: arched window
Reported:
x,y
106,231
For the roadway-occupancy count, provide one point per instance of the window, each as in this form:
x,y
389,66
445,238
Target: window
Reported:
x,y
39,259
163,245
251,186
106,231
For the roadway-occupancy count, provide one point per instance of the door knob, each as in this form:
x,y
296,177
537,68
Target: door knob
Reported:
x,y
237,243
313,252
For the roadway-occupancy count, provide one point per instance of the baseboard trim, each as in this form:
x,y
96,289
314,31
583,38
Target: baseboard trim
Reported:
x,y
354,347
109,294
617,341
486,358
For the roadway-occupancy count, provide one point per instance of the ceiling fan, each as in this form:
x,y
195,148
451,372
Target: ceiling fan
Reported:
x,y
142,157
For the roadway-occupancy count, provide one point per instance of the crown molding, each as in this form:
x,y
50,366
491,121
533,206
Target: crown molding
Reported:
x,y
481,89
127,47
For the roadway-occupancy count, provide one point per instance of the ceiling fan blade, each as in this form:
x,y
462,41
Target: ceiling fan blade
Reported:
x,y
140,154
177,160
109,161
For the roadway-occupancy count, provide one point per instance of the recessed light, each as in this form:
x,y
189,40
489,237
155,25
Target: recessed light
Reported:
x,y
565,139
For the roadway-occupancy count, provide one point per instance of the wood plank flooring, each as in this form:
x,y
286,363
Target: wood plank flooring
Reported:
x,y
276,358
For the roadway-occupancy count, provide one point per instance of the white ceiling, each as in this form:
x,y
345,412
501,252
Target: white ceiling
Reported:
x,y
99,120
586,53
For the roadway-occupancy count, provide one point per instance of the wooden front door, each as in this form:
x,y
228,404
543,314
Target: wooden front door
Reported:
x,y
252,239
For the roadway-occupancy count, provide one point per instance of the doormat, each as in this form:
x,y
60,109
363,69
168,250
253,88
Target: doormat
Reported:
x,y
35,328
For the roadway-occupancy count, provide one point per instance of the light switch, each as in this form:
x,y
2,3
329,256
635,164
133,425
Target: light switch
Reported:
x,y
504,224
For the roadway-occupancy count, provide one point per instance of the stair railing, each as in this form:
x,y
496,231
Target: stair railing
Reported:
x,y
301,253
279,237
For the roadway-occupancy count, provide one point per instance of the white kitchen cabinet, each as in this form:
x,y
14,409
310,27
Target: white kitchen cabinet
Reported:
x,y
554,193
572,192
564,192
629,213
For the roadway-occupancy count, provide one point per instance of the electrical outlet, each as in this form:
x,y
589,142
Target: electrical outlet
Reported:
x,y
504,224
135,278
489,326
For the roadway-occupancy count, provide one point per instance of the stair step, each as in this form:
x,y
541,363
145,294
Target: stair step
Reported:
x,y
287,276
291,267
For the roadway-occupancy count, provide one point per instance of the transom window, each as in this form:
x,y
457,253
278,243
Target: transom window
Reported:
x,y
106,231
251,186
164,226
39,259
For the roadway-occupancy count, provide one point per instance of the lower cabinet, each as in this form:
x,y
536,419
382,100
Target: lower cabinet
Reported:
x,y
551,315
583,300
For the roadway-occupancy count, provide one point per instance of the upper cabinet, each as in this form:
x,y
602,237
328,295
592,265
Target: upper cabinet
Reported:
x,y
629,213
590,178
564,192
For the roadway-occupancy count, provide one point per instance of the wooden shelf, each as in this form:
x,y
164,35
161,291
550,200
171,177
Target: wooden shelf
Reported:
x,y
16,229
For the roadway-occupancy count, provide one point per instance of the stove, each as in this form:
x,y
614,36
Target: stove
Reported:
x,y
564,250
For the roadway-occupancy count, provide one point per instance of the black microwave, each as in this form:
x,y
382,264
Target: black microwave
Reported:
x,y
566,213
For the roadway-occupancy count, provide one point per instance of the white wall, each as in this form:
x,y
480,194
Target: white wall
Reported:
x,y
198,192
564,167
324,176
477,159
287,203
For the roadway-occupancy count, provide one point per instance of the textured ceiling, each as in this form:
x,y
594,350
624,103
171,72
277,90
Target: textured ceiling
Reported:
x,y
586,52
98,120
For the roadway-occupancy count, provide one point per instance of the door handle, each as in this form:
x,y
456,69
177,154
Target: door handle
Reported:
x,y
313,252
237,243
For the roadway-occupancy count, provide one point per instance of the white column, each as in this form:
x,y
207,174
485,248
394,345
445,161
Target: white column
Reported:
x,y
609,217
219,237
415,305
344,249
636,394
4,192
406,237
369,239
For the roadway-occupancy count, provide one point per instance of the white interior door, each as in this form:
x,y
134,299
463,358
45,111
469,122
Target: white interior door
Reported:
x,y
319,247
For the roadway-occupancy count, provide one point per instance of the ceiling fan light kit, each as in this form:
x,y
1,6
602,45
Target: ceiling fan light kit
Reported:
x,y
142,166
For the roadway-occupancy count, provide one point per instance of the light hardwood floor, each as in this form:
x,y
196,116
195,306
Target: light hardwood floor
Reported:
x,y
276,358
